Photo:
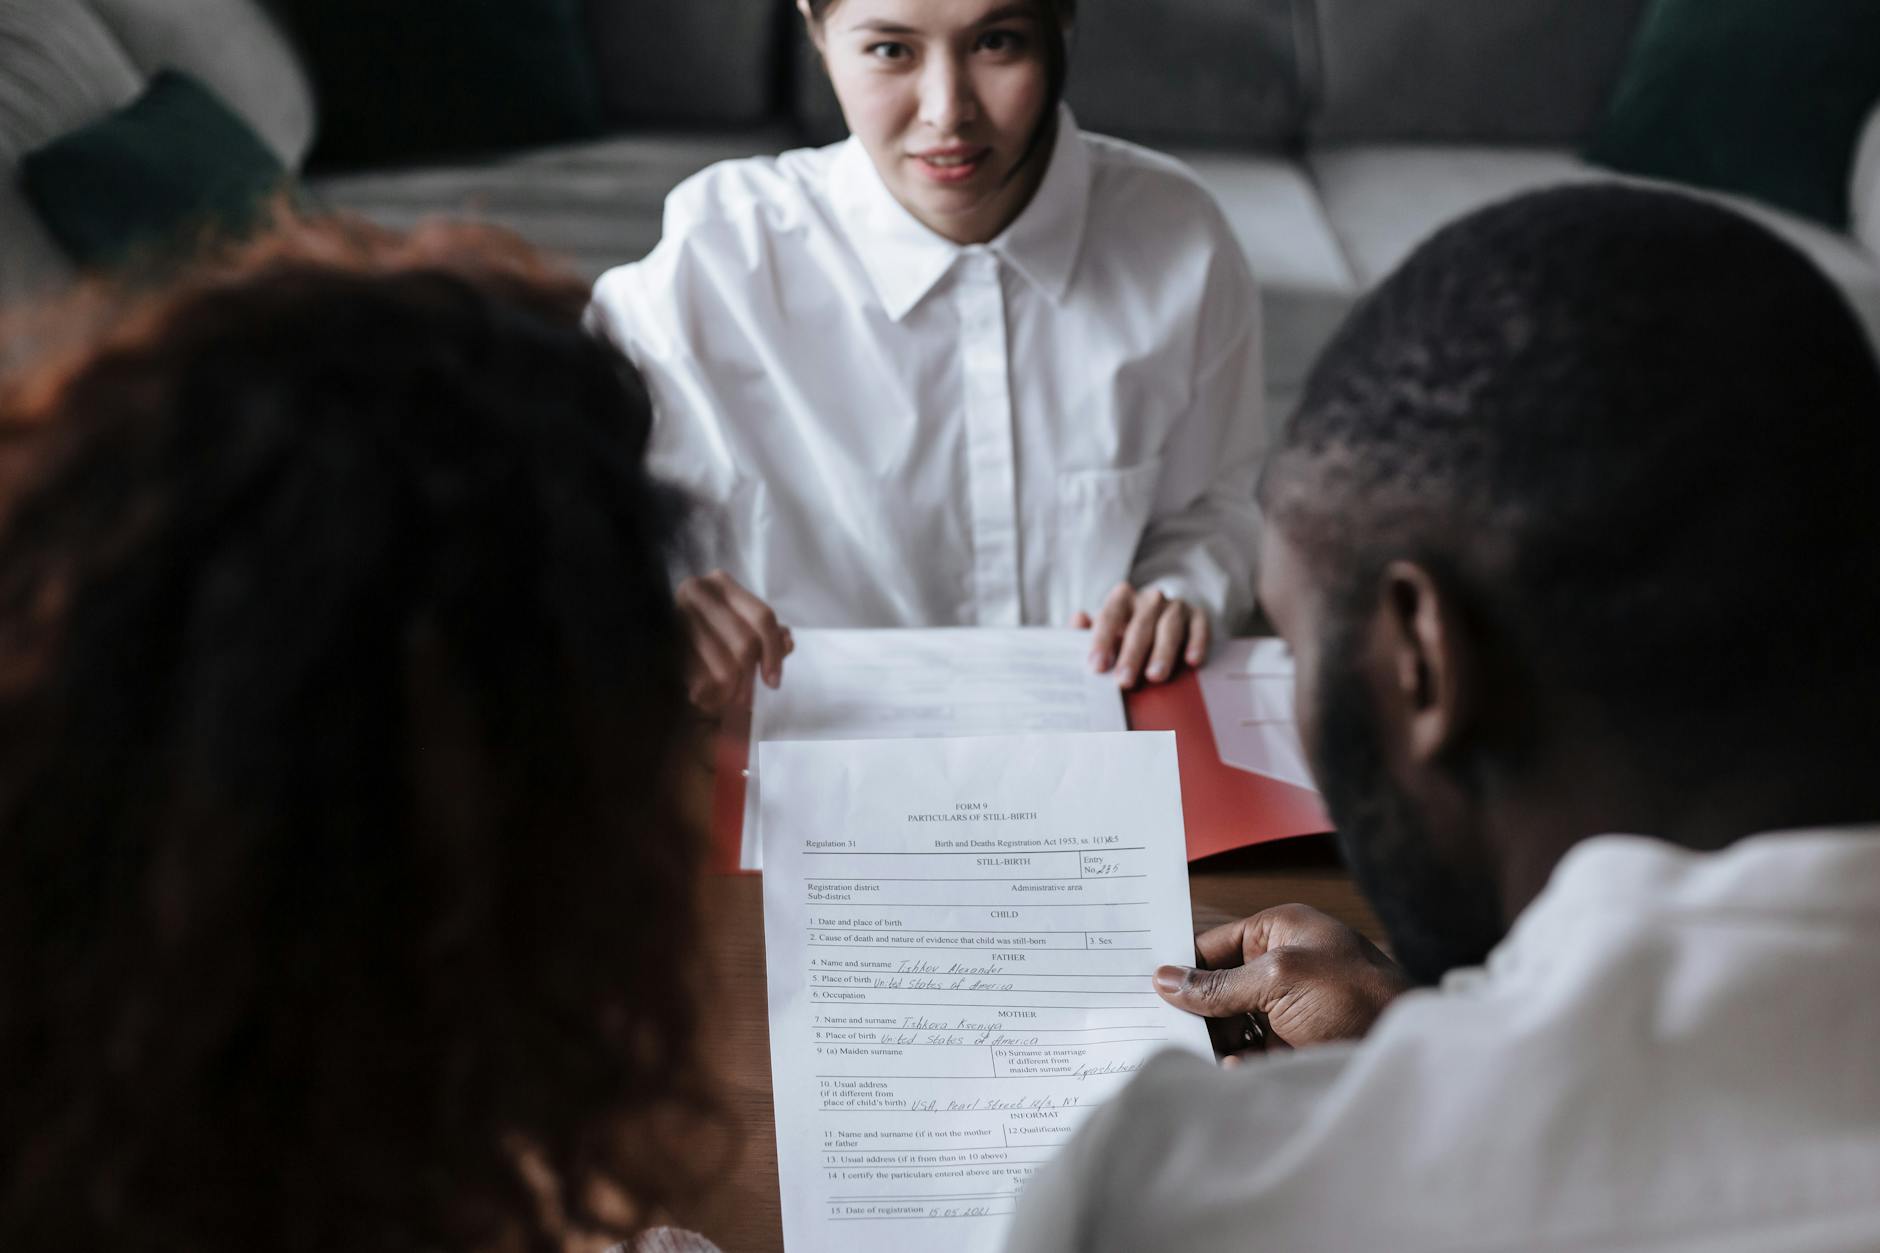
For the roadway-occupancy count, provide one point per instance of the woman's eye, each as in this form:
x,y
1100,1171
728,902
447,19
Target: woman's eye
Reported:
x,y
888,51
1001,41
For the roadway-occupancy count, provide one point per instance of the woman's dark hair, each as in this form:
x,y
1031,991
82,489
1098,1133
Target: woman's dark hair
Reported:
x,y
347,899
1056,17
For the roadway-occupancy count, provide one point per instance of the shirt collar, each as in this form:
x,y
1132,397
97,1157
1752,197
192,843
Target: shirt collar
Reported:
x,y
905,260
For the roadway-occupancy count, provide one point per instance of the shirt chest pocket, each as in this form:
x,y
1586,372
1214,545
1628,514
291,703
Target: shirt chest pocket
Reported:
x,y
1101,515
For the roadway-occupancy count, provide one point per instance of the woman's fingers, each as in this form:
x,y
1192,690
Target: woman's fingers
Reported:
x,y
1112,619
762,621
1200,635
1145,634
733,634
1170,634
1080,621
1139,636
713,682
738,636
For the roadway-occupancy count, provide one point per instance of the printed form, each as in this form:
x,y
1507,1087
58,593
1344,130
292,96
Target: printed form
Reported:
x,y
960,937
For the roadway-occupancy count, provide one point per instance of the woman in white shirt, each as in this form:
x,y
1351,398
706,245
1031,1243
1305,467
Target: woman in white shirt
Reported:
x,y
969,367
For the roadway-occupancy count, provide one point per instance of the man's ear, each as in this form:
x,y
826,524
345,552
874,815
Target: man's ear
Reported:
x,y
810,24
1433,660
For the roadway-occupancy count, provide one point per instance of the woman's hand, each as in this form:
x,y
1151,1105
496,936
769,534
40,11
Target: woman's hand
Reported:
x,y
1145,634
1303,977
734,636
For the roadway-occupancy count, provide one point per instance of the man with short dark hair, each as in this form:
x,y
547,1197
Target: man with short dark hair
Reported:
x,y
1576,540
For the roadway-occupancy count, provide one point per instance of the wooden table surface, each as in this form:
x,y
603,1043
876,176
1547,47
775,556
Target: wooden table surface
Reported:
x,y
743,1214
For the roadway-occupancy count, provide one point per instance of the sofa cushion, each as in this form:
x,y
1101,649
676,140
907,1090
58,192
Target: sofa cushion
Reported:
x,y
1474,71
1306,286
595,204
234,49
420,79
1382,202
694,62
1237,83
174,161
1747,96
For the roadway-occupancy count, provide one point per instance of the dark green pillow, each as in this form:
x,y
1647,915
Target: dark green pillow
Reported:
x,y
174,163
405,80
1760,97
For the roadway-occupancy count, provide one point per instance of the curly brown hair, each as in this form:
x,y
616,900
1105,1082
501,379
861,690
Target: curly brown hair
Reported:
x,y
346,889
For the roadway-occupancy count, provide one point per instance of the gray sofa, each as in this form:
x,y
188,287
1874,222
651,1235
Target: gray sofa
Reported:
x,y
1336,133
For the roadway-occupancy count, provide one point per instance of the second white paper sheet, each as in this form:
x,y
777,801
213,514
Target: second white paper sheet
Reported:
x,y
1247,687
960,936
900,684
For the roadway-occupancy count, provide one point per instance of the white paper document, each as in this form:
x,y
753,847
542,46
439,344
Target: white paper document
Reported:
x,y
1247,686
881,685
960,936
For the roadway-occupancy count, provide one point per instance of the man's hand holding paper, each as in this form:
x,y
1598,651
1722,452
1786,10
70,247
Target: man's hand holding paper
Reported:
x,y
1302,976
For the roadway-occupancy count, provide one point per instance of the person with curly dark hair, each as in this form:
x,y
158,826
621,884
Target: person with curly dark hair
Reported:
x,y
347,889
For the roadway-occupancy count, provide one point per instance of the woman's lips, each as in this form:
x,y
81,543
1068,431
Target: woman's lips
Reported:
x,y
951,165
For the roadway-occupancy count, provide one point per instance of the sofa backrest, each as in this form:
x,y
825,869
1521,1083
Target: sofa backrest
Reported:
x,y
688,62
1276,74
1222,72
1474,71
1206,71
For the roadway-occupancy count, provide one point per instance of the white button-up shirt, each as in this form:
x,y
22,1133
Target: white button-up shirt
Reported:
x,y
1671,1050
889,429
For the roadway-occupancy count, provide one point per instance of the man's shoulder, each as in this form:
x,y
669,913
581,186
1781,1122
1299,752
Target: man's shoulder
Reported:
x,y
1608,1073
1182,1128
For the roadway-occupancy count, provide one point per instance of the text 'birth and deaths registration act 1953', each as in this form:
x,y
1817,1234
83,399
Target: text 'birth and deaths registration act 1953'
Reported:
x,y
961,935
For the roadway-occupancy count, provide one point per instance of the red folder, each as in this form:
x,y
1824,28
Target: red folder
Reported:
x,y
1223,806
731,755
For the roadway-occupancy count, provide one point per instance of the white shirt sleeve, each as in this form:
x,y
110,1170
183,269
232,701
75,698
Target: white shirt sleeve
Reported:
x,y
636,307
1069,1205
1203,541
1058,1208
1175,1160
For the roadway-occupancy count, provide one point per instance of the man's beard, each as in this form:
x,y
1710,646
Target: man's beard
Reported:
x,y
1438,915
